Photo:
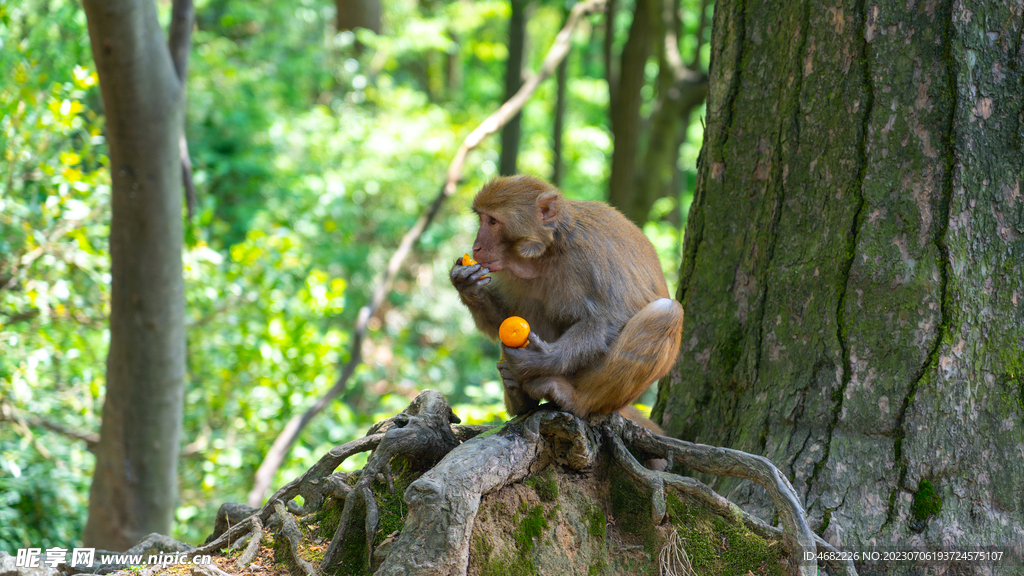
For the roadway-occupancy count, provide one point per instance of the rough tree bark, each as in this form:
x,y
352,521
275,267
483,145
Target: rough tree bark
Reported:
x,y
142,81
852,267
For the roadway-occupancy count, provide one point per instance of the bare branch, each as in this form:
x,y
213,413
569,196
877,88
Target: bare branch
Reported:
x,y
186,176
495,121
179,43
9,413
179,36
282,445
15,317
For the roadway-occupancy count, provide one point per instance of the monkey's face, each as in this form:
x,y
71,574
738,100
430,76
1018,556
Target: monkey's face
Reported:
x,y
518,216
489,246
501,246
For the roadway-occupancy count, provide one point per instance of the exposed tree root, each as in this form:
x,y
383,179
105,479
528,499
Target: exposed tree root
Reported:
x,y
293,536
422,436
444,499
673,560
255,537
443,502
151,544
800,541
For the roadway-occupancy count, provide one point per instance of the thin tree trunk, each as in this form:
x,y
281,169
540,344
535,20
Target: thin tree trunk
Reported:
x,y
852,267
680,91
611,71
354,14
134,486
559,123
625,111
455,72
513,81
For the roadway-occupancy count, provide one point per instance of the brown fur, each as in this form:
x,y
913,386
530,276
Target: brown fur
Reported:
x,y
590,285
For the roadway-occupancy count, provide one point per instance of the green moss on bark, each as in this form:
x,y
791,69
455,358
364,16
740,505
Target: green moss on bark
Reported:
x,y
597,523
926,501
531,525
631,507
717,546
545,485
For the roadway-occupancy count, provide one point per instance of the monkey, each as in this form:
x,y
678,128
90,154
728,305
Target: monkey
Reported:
x,y
586,279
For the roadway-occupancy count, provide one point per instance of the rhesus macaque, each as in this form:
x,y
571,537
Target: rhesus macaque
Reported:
x,y
589,283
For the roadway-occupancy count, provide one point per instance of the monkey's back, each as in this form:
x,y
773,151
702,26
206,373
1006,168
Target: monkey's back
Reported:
x,y
621,272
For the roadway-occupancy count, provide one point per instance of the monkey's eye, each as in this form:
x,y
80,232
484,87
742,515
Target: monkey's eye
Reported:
x,y
492,220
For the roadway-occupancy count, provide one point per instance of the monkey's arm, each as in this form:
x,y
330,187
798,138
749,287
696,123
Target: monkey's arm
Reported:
x,y
471,282
583,344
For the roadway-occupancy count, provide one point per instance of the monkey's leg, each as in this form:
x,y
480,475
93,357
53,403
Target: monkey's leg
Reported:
x,y
557,389
644,351
517,400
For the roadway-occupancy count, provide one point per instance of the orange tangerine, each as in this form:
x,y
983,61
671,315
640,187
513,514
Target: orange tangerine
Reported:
x,y
466,260
514,332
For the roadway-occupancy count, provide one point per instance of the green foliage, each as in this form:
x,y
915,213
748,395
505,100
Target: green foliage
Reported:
x,y
54,272
313,153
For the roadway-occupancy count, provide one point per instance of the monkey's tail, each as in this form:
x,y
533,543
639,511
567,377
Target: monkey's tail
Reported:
x,y
634,414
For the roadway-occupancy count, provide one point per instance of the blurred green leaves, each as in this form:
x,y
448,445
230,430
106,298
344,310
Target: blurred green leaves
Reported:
x,y
313,153
54,271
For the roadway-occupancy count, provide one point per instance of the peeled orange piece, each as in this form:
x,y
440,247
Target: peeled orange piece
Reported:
x,y
466,260
514,332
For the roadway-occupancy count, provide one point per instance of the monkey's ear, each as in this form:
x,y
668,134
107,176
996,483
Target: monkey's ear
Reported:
x,y
531,247
549,207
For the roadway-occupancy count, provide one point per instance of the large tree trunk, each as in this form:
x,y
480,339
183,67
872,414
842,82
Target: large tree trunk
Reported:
x,y
135,483
852,266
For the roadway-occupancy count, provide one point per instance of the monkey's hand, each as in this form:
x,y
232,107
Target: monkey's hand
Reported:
x,y
537,358
470,280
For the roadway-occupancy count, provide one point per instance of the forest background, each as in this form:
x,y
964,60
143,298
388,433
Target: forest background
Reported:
x,y
313,152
